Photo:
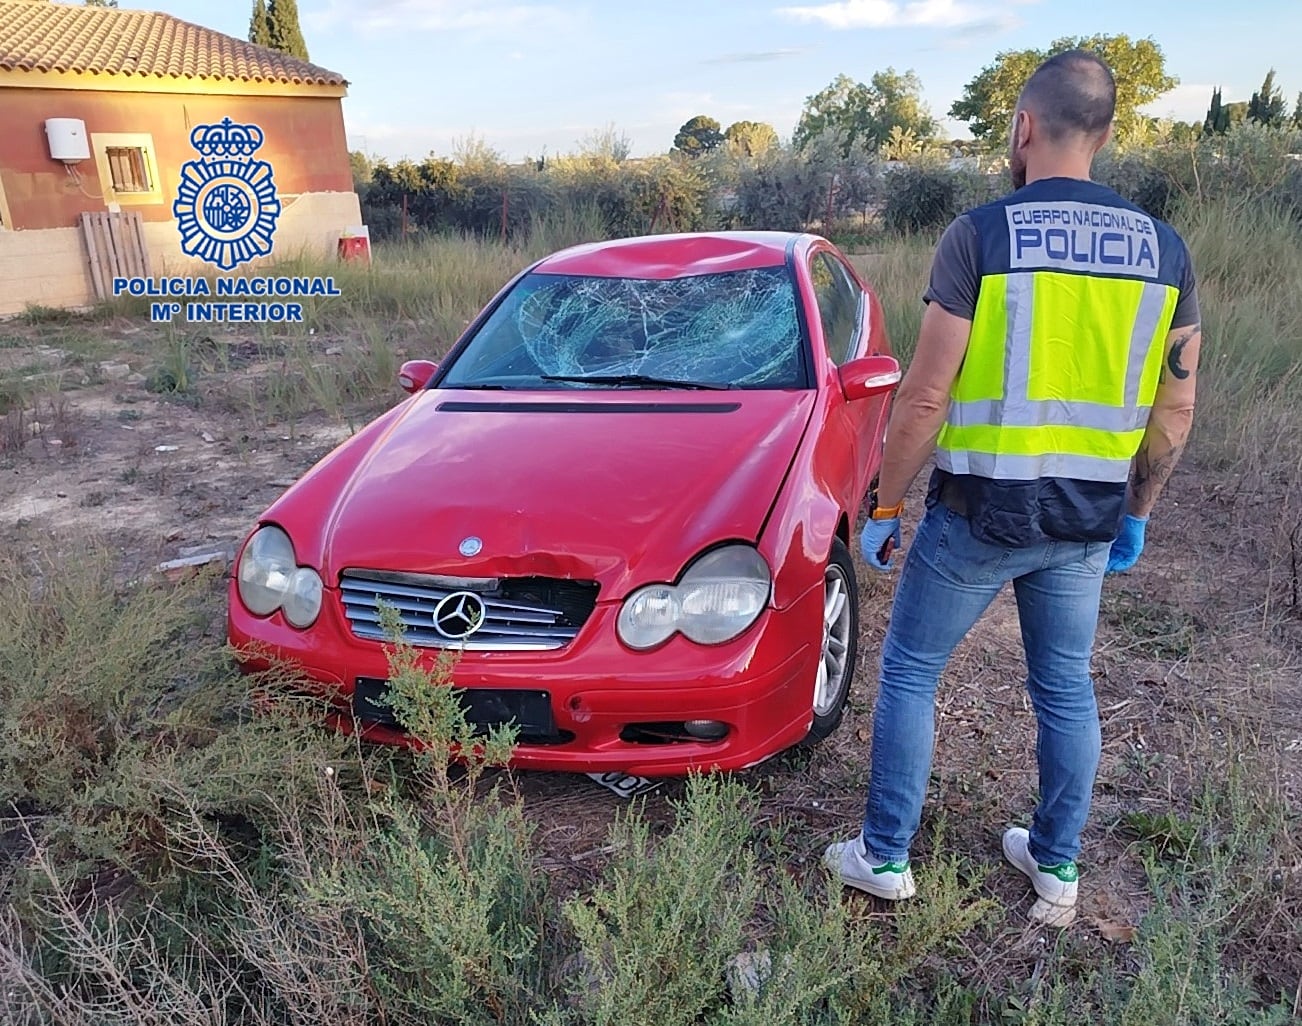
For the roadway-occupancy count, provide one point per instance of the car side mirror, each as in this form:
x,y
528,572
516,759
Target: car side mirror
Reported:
x,y
415,374
869,376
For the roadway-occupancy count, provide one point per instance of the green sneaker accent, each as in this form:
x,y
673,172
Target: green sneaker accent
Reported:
x,y
891,867
1065,872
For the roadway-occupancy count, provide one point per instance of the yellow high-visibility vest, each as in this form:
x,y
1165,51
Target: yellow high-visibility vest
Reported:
x,y
1077,294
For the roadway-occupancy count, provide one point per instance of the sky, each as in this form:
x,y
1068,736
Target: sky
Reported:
x,y
530,77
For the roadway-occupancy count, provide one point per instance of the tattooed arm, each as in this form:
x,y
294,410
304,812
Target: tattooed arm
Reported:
x,y
1168,423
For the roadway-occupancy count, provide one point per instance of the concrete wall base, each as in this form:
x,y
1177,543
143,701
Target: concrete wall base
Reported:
x,y
49,267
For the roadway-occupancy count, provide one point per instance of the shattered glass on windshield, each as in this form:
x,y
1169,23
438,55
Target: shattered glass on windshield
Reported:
x,y
735,328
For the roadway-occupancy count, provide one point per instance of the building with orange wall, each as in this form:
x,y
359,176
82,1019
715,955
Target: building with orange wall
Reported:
x,y
131,86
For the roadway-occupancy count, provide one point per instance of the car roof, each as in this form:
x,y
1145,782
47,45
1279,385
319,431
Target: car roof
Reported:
x,y
677,255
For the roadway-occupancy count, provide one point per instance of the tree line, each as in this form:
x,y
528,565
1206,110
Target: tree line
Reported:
x,y
1267,107
863,156
888,115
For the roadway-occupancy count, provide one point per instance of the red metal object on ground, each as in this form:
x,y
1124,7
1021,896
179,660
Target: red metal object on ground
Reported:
x,y
354,247
626,497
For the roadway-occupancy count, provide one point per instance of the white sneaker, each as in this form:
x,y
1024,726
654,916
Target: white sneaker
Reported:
x,y
887,879
1055,886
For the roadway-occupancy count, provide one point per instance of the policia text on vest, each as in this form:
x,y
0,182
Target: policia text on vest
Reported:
x,y
1084,237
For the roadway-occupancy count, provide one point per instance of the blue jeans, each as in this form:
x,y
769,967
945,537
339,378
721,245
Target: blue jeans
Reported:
x,y
948,581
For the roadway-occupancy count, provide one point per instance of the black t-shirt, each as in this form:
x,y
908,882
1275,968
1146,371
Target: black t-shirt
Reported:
x,y
955,276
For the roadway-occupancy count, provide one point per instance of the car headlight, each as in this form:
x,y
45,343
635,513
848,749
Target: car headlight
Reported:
x,y
270,579
721,594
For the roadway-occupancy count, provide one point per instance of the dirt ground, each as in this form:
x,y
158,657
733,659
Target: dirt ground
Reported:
x,y
1200,641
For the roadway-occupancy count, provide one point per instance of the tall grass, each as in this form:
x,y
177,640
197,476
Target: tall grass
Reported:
x,y
266,873
1248,262
413,300
898,275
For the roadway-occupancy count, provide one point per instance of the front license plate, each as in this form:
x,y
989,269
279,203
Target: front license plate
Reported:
x,y
530,710
485,708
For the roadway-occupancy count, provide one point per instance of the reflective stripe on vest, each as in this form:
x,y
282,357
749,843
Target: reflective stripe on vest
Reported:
x,y
1026,468
1059,376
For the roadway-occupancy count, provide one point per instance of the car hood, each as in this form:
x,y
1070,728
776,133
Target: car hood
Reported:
x,y
612,487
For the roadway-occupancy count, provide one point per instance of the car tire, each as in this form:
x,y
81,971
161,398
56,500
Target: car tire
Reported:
x,y
839,644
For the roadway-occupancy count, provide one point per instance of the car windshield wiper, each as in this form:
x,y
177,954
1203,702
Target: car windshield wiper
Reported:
x,y
633,379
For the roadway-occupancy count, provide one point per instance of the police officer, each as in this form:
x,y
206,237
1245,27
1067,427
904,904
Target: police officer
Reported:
x,y
1053,380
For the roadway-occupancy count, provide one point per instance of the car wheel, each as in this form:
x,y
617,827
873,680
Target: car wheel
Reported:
x,y
840,642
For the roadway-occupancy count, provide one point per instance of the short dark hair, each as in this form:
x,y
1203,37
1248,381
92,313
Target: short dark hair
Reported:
x,y
1072,93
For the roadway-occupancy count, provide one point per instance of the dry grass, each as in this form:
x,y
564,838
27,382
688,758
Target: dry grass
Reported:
x,y
167,857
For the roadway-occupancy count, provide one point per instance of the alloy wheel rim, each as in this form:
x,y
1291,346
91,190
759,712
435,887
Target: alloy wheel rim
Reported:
x,y
836,641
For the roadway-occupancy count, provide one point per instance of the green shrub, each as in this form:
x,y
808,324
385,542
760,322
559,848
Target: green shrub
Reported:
x,y
660,929
926,194
788,189
918,198
1248,168
491,199
118,702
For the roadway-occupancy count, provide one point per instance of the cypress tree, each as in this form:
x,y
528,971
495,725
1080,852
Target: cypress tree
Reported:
x,y
1211,124
260,24
1229,117
286,35
1267,104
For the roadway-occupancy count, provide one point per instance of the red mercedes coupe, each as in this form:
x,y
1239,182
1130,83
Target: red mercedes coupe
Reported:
x,y
626,498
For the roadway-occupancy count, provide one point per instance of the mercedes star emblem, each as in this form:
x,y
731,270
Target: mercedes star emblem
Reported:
x,y
459,615
470,546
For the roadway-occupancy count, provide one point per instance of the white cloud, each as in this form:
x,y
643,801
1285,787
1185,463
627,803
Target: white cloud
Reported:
x,y
941,14
436,16
977,32
1186,102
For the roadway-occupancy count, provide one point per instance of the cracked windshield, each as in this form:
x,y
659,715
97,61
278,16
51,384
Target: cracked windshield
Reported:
x,y
732,329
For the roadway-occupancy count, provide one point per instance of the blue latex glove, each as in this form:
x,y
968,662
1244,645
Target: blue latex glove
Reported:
x,y
1129,544
875,534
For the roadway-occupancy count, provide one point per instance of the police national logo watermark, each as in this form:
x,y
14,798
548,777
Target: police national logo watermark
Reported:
x,y
226,205
227,212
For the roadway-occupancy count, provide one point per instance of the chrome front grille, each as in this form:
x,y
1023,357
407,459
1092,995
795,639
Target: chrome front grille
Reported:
x,y
519,614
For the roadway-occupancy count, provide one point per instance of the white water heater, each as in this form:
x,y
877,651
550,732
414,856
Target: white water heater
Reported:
x,y
67,139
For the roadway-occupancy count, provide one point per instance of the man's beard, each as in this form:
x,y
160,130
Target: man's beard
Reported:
x,y
1017,173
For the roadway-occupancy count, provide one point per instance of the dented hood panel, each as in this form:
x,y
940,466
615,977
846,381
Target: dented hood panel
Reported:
x,y
616,487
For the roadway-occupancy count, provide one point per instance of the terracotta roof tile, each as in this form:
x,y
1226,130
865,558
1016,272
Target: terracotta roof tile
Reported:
x,y
37,35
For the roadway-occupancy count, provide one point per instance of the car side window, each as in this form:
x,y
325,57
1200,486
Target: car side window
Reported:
x,y
839,300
